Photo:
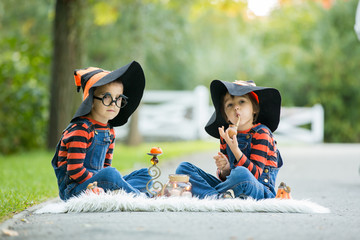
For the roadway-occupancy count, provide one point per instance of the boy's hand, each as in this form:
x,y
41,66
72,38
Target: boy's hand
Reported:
x,y
222,162
231,142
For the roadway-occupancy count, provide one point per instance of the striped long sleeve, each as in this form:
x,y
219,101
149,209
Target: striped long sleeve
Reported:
x,y
73,149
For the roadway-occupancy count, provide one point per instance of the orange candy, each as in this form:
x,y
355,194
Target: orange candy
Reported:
x,y
156,150
231,131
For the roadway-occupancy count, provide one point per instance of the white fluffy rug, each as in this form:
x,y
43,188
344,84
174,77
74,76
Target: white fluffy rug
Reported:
x,y
121,201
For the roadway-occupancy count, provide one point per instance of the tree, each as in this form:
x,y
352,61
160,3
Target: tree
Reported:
x,y
67,52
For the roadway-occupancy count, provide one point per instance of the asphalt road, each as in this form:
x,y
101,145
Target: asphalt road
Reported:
x,y
327,174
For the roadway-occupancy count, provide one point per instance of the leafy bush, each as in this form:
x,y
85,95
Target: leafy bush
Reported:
x,y
24,75
24,97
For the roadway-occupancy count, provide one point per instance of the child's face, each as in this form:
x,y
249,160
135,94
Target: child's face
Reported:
x,y
239,106
99,111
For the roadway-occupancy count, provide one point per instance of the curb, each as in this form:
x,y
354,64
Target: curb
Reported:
x,y
8,224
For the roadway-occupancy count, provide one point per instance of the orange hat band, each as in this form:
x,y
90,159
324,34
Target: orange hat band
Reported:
x,y
86,78
81,76
254,96
92,81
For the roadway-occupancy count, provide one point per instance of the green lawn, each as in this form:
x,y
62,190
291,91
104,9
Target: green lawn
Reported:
x,y
28,178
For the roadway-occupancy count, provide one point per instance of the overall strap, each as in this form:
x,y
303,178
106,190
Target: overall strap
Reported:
x,y
89,124
71,124
257,128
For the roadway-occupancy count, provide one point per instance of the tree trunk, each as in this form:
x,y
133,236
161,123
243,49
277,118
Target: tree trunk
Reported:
x,y
134,136
67,39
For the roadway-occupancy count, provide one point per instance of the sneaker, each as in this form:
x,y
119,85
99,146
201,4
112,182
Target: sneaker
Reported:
x,y
229,194
243,196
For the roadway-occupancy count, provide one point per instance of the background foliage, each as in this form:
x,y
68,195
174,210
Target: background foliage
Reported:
x,y
25,46
309,53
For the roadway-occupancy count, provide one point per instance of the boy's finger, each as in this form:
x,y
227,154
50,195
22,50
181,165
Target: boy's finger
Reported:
x,y
234,138
217,156
222,132
222,155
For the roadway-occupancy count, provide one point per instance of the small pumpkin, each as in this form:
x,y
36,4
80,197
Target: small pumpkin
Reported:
x,y
283,191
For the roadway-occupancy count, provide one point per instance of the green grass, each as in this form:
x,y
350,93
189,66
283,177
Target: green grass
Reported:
x,y
28,178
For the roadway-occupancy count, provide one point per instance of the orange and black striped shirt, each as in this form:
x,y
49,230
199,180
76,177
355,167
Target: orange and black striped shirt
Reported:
x,y
74,144
263,151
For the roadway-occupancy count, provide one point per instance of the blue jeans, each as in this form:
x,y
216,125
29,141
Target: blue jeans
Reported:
x,y
110,179
240,180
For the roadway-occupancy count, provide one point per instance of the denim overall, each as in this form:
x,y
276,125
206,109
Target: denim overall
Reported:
x,y
240,180
107,178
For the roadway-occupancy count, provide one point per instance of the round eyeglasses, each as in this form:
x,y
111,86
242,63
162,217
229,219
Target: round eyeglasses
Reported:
x,y
107,100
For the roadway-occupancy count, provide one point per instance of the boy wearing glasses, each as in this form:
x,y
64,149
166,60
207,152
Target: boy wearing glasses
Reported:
x,y
85,150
